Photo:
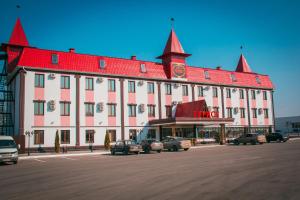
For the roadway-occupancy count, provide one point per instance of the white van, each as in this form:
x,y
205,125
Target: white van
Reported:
x,y
8,150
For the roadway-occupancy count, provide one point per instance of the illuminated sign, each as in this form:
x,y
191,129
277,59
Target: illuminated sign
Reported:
x,y
206,114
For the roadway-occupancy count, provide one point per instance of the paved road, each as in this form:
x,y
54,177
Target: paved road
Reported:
x,y
269,171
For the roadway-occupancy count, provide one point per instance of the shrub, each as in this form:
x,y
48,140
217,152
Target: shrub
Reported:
x,y
107,141
57,145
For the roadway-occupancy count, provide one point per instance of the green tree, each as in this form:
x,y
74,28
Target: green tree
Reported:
x,y
107,141
57,145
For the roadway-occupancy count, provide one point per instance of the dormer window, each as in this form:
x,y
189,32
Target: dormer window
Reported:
x,y
233,77
143,68
206,74
54,59
258,80
102,64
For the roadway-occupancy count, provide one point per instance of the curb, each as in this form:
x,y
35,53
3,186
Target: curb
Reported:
x,y
61,155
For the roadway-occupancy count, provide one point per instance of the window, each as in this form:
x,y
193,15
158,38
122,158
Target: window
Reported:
x,y
265,95
200,91
89,136
111,110
168,89
38,137
112,135
65,136
132,134
54,59
233,77
151,88
38,107
185,91
151,110
39,80
229,112
254,112
132,110
143,68
102,64
168,111
228,93
215,92
253,95
89,109
65,82
241,94
111,85
266,113
89,83
131,86
216,109
242,111
65,108
258,80
151,134
206,74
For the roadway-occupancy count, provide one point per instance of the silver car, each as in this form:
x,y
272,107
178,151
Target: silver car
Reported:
x,y
8,150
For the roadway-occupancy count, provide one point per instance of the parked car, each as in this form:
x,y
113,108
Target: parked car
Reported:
x,y
125,147
276,137
152,145
176,143
8,150
252,138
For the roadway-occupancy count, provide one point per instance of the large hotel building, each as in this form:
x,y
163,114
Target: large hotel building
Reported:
x,y
82,97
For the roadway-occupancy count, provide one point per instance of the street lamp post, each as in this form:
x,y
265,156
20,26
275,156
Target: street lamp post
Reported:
x,y
28,133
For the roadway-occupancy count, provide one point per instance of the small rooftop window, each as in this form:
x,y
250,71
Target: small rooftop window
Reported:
x,y
233,77
54,59
258,80
143,68
102,64
206,74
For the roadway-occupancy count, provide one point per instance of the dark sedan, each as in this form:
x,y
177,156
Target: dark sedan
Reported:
x,y
276,137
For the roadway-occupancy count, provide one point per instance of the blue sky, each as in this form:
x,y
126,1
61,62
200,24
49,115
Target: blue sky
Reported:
x,y
212,31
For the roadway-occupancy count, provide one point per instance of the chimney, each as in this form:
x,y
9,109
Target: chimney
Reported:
x,y
72,50
219,68
133,57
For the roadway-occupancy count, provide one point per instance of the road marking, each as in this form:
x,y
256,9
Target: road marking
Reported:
x,y
69,158
39,160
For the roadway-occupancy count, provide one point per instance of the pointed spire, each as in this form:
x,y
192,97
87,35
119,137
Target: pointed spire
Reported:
x,y
18,36
243,65
173,45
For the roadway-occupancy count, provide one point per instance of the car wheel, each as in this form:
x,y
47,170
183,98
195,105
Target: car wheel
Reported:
x,y
253,142
278,140
268,141
137,153
175,148
125,152
236,142
15,162
186,149
113,152
158,151
244,143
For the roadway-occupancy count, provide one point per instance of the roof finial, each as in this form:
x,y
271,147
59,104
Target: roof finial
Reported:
x,y
241,47
172,22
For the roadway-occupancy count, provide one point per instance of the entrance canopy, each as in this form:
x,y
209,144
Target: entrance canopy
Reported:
x,y
192,113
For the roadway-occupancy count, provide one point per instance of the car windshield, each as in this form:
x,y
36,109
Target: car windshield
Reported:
x,y
130,142
7,144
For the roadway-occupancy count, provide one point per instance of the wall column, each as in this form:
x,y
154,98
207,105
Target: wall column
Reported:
x,y
159,99
21,111
222,134
248,110
273,110
122,108
77,77
222,99
193,92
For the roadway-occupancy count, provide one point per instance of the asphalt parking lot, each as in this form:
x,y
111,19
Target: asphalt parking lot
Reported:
x,y
269,171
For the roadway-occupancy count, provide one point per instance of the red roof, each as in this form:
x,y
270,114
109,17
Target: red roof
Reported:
x,y
18,36
75,62
243,65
